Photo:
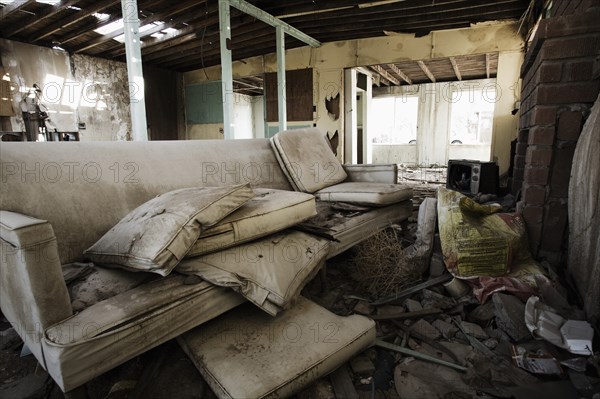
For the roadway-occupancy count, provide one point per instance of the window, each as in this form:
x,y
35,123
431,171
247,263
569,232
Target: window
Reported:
x,y
472,114
394,119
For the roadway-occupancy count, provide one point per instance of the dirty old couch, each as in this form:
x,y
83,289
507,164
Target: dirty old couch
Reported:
x,y
57,199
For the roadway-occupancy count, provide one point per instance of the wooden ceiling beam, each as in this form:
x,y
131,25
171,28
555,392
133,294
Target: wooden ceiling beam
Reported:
x,y
70,20
487,65
11,8
36,19
426,71
99,24
158,16
455,67
400,74
379,69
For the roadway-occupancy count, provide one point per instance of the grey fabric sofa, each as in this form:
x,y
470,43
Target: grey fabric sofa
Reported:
x,y
57,199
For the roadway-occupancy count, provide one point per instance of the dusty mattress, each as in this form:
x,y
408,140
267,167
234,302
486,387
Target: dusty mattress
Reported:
x,y
248,354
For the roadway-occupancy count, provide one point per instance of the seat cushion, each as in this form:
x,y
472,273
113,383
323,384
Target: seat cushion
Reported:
x,y
88,284
267,213
307,159
248,354
155,236
269,272
369,194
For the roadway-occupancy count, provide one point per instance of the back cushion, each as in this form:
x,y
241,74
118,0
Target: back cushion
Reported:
x,y
306,158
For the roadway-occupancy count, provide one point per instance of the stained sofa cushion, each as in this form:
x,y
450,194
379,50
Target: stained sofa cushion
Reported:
x,y
369,194
307,159
268,212
269,272
89,284
247,354
155,236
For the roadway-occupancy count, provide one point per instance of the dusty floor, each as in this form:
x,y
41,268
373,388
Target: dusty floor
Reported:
x,y
426,322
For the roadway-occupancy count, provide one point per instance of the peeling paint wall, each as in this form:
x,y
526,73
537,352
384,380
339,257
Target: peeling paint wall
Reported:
x,y
105,110
330,60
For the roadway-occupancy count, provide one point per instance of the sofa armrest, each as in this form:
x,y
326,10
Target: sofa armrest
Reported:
x,y
372,173
33,293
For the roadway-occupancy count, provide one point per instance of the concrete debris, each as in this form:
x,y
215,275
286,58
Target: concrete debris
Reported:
x,y
412,305
446,329
363,307
426,329
510,316
474,330
482,314
387,310
432,299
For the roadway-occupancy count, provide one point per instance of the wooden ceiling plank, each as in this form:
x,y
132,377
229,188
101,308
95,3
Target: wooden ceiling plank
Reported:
x,y
379,69
455,67
78,16
178,7
36,19
426,71
11,8
399,72
487,65
112,18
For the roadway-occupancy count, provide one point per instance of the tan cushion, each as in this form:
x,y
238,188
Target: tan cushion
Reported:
x,y
155,236
307,159
248,354
267,213
268,272
370,194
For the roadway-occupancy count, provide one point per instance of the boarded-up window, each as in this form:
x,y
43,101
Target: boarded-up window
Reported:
x,y
299,95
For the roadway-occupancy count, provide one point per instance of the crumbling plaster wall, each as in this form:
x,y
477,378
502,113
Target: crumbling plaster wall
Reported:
x,y
330,60
106,111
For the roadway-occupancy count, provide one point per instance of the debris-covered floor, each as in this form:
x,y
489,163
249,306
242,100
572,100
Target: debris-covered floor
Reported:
x,y
434,337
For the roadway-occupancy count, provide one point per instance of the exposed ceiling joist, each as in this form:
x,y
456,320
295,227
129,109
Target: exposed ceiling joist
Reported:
x,y
487,65
399,72
36,19
455,67
426,71
156,17
75,17
11,8
379,69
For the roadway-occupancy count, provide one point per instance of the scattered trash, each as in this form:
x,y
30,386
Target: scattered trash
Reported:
x,y
544,322
538,362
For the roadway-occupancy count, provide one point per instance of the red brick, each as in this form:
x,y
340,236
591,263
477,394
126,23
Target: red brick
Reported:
x,y
521,149
519,161
578,70
568,93
569,125
544,115
541,135
536,175
561,172
555,223
534,236
550,72
570,47
533,215
522,137
539,155
534,195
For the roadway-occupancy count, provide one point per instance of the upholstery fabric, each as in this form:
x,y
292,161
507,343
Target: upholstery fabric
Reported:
x,y
307,159
369,194
268,212
248,354
269,272
155,236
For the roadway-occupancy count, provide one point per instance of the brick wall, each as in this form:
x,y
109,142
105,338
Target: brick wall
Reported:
x,y
561,80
